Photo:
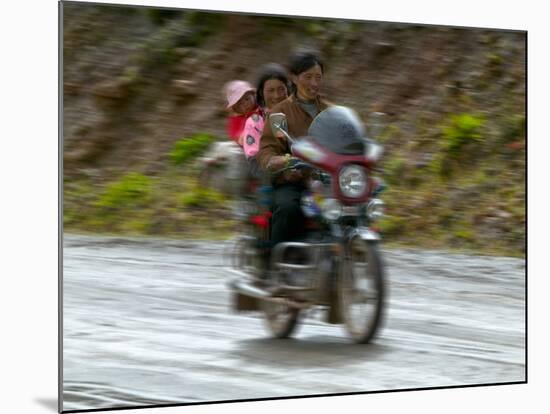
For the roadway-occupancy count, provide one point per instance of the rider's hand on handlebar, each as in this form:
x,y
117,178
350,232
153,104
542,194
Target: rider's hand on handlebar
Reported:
x,y
285,166
279,162
295,173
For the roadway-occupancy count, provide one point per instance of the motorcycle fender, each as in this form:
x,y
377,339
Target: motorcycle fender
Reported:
x,y
366,234
245,303
334,312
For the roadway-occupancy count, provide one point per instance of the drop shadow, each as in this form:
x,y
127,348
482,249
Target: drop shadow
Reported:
x,y
322,351
51,404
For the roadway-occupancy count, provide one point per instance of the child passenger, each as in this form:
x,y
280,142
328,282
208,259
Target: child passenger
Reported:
x,y
246,118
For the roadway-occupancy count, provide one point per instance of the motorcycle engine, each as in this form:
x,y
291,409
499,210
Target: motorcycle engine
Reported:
x,y
312,283
298,277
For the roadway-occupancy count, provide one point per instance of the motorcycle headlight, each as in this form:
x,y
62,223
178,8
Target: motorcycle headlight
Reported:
x,y
375,209
353,181
331,209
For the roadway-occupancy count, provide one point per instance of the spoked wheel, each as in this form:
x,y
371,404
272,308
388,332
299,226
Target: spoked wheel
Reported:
x,y
243,255
362,290
281,319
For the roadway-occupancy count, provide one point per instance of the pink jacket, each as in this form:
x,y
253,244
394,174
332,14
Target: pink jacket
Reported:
x,y
252,133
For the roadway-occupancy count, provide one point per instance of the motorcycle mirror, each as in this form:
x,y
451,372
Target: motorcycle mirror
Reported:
x,y
278,124
376,122
374,151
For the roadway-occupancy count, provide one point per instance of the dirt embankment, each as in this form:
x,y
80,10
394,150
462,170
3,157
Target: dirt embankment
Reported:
x,y
138,80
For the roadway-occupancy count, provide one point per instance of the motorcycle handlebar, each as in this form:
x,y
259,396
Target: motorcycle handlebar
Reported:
x,y
294,166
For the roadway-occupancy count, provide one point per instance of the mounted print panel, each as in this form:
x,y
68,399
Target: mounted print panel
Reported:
x,y
262,207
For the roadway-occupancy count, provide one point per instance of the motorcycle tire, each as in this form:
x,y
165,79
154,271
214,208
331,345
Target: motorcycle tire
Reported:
x,y
281,320
362,285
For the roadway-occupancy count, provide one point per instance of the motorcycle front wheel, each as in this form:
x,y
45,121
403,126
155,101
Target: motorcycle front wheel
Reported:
x,y
362,290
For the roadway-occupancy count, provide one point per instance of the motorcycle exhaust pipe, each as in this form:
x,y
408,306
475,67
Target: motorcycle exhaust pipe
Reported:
x,y
248,289
255,292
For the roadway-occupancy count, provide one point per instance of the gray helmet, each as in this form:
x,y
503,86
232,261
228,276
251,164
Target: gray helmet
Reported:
x,y
340,130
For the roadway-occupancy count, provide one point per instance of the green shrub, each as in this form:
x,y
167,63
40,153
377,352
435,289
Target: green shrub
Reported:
x,y
495,64
132,190
446,218
130,75
389,133
392,225
394,170
160,16
465,234
188,148
202,197
313,28
139,225
513,128
210,20
464,129
203,25
158,50
441,166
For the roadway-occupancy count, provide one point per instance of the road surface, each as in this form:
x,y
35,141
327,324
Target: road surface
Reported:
x,y
149,322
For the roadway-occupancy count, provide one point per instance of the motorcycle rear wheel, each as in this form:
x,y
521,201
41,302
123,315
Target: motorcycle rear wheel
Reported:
x,y
281,320
362,290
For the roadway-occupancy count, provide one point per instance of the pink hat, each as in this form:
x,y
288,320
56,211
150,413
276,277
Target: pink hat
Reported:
x,y
235,90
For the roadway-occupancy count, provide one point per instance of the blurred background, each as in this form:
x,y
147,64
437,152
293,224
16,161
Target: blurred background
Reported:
x,y
142,98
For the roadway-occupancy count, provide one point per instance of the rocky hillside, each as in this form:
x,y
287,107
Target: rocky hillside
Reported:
x,y
136,81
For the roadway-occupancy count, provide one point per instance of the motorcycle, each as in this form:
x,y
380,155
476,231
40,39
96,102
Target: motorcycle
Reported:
x,y
336,267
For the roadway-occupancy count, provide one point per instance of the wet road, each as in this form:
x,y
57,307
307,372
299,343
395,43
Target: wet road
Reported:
x,y
149,322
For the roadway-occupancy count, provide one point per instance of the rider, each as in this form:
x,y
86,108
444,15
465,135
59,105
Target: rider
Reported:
x,y
272,86
243,108
248,108
304,104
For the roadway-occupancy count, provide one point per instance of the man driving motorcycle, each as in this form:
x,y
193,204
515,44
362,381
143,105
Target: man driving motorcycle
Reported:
x,y
301,107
